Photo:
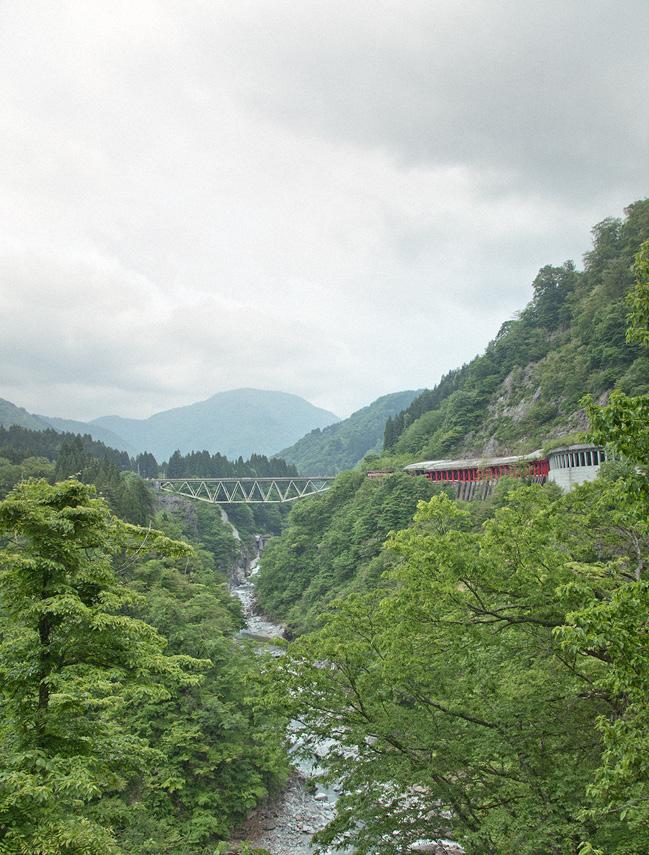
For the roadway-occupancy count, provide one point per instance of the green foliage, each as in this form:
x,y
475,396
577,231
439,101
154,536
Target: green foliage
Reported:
x,y
202,464
639,299
70,664
18,443
131,718
493,685
332,544
624,422
31,467
125,492
613,627
472,694
221,749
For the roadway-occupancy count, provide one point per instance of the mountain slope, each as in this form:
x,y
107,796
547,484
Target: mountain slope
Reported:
x,y
10,414
108,437
526,387
235,423
331,449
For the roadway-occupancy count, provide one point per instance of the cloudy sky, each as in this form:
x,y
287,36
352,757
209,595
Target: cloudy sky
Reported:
x,y
338,198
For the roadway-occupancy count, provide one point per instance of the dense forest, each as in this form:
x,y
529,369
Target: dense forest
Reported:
x,y
197,464
132,719
55,456
542,363
487,671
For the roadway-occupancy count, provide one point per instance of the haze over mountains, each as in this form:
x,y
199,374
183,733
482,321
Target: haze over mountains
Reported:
x,y
239,422
236,423
10,414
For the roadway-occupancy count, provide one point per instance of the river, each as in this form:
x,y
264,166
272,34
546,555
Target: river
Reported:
x,y
285,823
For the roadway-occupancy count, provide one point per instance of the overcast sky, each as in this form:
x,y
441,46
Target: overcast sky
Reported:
x,y
335,199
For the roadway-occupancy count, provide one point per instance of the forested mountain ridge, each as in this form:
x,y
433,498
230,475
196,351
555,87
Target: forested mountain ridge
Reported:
x,y
526,387
101,434
236,423
12,415
340,446
524,390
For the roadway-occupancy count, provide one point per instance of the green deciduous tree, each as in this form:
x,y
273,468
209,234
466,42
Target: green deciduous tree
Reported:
x,y
458,706
71,662
624,422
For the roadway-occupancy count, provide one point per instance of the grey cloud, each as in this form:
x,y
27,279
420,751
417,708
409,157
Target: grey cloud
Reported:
x,y
335,199
548,96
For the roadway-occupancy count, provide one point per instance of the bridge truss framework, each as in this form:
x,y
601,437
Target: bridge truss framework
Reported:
x,y
250,491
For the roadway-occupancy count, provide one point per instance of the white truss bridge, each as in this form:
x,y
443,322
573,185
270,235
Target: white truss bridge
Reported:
x,y
250,491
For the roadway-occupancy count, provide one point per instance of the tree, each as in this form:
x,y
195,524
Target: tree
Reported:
x,y
639,299
71,660
146,465
456,705
614,627
624,422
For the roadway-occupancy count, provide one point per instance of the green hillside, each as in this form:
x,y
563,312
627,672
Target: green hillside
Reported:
x,y
10,414
484,667
340,446
526,387
524,390
108,437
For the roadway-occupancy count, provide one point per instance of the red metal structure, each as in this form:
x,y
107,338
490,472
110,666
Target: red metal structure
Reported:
x,y
535,469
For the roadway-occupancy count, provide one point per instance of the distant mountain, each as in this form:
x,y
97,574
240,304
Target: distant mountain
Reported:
x,y
340,446
112,440
238,422
10,414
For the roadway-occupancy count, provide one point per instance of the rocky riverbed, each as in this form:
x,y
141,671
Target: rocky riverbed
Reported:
x,y
285,823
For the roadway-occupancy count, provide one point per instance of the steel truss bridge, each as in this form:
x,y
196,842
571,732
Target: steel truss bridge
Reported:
x,y
250,491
